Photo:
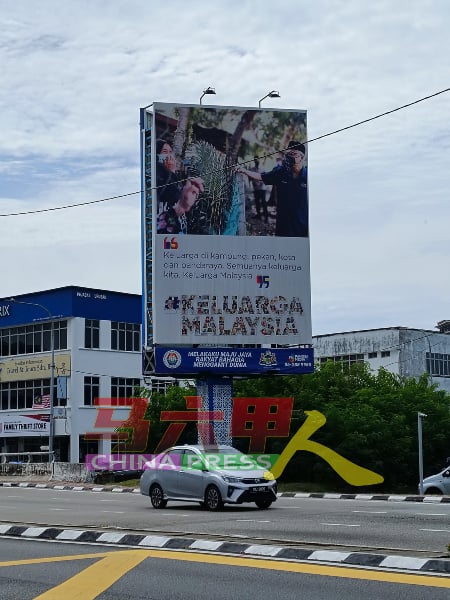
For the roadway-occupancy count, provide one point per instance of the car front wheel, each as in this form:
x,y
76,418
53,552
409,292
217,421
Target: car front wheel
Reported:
x,y
263,503
157,496
213,499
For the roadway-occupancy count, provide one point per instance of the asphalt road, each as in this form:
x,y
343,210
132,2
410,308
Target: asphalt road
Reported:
x,y
51,571
414,528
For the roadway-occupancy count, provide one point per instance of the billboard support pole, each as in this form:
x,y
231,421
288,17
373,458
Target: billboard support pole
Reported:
x,y
216,394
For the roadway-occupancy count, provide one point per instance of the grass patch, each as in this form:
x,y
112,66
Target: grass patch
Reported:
x,y
130,483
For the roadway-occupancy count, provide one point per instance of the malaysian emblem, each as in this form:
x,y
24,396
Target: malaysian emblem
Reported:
x,y
172,359
268,359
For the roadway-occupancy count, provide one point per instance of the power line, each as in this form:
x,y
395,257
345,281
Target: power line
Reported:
x,y
388,112
320,137
42,210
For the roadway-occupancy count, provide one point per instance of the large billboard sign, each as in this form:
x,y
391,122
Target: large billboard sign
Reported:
x,y
226,234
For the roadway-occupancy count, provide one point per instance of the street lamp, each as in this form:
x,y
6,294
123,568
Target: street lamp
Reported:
x,y
209,90
420,415
52,371
272,94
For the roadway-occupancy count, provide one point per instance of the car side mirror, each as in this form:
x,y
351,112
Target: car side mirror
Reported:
x,y
446,473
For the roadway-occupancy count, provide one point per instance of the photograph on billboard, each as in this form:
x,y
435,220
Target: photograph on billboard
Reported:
x,y
229,226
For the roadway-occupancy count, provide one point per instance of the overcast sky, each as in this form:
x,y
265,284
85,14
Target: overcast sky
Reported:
x,y
74,74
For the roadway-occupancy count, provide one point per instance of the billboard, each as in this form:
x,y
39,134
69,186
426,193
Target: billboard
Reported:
x,y
225,227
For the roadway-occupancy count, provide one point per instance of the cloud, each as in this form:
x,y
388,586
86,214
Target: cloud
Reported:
x,y
75,74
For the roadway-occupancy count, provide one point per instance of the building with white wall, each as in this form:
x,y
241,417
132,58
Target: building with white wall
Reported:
x,y
406,351
97,354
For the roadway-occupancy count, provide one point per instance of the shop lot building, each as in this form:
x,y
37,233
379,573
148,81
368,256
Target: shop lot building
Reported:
x,y
406,351
97,354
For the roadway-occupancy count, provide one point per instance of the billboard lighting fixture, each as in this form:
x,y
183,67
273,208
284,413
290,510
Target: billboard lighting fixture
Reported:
x,y
209,90
272,94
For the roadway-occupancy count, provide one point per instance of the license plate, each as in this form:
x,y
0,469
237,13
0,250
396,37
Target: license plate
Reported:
x,y
260,488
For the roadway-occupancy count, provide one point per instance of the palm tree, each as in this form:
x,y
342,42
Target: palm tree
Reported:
x,y
217,211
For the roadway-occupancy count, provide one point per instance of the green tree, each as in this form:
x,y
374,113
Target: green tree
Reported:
x,y
371,420
173,399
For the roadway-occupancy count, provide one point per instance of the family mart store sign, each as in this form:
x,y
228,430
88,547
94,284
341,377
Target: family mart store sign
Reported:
x,y
24,425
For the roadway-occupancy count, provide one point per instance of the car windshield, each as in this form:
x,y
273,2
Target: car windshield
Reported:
x,y
228,459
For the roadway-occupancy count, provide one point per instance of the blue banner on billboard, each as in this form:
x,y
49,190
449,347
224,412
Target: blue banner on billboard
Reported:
x,y
233,361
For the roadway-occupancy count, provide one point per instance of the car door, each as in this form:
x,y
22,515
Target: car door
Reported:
x,y
191,475
169,470
446,481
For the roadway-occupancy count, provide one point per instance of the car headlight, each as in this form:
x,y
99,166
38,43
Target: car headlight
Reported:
x,y
229,479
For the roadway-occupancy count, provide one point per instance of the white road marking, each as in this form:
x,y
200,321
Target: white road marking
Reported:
x,y
436,530
371,512
251,521
341,524
431,515
116,512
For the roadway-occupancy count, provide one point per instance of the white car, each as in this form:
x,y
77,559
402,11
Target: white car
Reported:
x,y
212,477
437,484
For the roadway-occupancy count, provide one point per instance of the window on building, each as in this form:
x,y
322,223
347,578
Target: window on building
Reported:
x,y
86,447
32,339
438,365
60,333
125,336
124,387
372,355
19,395
344,359
91,389
91,333
385,353
21,348
161,385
